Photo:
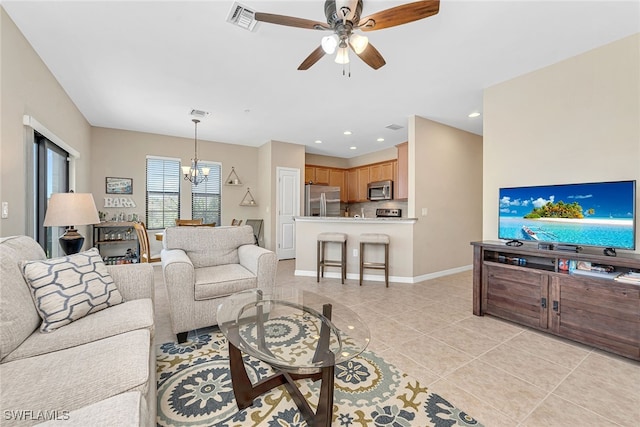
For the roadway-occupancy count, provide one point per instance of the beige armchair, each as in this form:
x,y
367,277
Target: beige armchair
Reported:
x,y
203,265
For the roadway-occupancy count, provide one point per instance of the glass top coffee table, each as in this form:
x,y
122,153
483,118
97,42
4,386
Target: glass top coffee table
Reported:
x,y
300,334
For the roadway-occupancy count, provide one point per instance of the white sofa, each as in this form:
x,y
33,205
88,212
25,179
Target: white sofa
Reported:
x,y
98,370
203,265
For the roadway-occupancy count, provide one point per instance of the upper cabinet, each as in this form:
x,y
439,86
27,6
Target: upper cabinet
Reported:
x,y
363,181
381,171
401,190
316,175
352,185
337,178
353,182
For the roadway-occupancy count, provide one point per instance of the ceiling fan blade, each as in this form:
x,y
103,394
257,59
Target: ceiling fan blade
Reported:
x,y
399,15
291,21
371,56
315,56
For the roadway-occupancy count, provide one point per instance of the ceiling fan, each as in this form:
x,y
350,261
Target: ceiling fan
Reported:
x,y
343,18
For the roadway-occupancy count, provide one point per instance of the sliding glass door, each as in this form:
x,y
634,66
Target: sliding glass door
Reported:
x,y
52,176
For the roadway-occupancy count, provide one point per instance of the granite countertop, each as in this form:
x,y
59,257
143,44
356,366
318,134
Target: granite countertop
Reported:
x,y
355,220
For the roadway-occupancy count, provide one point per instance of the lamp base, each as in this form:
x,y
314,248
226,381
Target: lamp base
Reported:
x,y
71,242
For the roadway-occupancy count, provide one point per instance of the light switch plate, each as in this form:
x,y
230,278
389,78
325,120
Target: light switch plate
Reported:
x,y
5,209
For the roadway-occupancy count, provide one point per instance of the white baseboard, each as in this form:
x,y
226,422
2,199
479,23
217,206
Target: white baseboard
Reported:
x,y
380,278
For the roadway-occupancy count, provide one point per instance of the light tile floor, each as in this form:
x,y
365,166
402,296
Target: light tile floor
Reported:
x,y
499,372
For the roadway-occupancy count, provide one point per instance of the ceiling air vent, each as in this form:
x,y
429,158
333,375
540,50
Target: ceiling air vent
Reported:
x,y
394,127
199,113
242,16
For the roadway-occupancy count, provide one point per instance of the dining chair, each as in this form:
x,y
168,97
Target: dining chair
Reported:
x,y
236,222
189,222
143,240
257,228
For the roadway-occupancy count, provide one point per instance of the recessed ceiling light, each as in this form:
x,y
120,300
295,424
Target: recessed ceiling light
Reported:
x,y
347,132
317,141
474,114
380,139
352,148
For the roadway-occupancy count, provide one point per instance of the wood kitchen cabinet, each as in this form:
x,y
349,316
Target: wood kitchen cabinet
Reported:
x,y
309,174
337,179
352,185
401,190
525,285
363,182
381,172
316,175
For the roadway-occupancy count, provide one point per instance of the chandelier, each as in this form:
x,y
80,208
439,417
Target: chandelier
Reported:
x,y
192,173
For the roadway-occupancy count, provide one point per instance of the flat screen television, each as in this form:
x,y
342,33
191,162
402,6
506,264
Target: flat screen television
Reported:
x,y
598,214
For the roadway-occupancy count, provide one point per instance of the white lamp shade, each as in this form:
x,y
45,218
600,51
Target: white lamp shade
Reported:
x,y
65,209
186,170
358,43
342,57
329,44
205,171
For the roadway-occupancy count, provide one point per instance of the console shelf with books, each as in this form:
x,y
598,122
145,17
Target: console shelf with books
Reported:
x,y
584,296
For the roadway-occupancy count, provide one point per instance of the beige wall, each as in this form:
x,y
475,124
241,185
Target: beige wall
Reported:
x,y
338,162
329,161
446,166
378,156
276,154
28,87
122,153
575,121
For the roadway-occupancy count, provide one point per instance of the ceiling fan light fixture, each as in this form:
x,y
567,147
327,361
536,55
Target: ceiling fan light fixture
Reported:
x,y
342,57
329,44
358,43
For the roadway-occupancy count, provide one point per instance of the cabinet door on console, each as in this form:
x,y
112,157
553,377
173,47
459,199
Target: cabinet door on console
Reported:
x,y
605,314
516,294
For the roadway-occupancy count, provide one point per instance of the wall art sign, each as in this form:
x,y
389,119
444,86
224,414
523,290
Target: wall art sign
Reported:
x,y
115,185
119,202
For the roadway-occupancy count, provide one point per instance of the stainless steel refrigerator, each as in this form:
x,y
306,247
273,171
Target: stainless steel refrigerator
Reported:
x,y
321,200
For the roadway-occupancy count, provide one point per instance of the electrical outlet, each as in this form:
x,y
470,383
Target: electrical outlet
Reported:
x,y
355,252
5,209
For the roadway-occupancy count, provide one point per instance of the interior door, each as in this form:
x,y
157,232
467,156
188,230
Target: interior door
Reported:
x,y
288,200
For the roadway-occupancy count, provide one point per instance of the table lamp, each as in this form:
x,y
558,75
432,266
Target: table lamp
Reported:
x,y
68,210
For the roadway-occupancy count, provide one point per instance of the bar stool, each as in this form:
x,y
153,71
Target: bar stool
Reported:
x,y
375,239
323,239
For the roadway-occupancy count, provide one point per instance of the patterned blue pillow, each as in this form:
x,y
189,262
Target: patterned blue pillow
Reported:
x,y
68,288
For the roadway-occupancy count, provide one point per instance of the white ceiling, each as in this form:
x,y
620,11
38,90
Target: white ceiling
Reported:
x,y
142,65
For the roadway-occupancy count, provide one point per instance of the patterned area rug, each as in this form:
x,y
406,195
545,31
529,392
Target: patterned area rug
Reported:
x,y
194,389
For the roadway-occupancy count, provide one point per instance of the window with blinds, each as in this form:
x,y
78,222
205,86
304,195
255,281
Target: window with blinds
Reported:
x,y
163,192
205,197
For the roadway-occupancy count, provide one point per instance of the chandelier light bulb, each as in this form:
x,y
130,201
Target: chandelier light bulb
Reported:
x,y
358,43
329,44
342,57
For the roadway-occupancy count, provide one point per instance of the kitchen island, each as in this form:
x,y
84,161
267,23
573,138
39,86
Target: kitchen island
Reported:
x,y
400,231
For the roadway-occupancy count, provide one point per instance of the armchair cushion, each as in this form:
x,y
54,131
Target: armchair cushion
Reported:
x,y
222,280
208,247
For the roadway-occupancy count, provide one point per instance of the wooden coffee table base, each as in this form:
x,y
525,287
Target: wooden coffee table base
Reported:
x,y
245,392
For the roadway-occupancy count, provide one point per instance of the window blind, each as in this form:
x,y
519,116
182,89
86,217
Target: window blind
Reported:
x,y
205,197
163,192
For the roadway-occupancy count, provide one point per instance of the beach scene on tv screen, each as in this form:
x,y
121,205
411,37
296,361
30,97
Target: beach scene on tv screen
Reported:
x,y
597,214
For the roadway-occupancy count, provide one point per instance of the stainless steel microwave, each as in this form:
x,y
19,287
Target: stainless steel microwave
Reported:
x,y
381,190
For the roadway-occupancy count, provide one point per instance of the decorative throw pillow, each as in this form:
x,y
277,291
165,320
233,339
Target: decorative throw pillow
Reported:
x,y
68,288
